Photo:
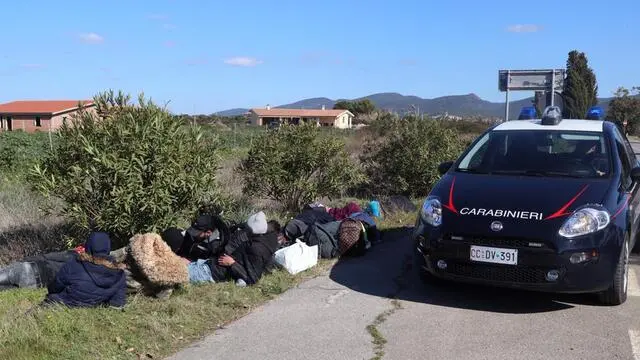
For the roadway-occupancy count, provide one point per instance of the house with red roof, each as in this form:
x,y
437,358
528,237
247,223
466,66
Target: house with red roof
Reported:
x,y
341,119
39,115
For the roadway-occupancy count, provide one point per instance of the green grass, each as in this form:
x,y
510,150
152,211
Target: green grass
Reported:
x,y
146,327
377,339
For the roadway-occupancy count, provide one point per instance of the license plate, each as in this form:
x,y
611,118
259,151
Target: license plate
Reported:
x,y
494,255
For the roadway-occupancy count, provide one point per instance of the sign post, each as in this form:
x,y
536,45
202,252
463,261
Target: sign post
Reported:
x,y
548,80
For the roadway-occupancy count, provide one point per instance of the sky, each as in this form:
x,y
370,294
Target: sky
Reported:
x,y
208,56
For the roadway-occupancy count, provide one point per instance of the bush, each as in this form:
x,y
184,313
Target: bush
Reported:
x,y
403,159
295,165
131,169
20,151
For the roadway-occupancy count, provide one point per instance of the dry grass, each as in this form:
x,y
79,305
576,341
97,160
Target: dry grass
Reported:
x,y
24,229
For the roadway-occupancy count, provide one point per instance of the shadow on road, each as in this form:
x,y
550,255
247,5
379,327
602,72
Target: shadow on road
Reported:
x,y
387,271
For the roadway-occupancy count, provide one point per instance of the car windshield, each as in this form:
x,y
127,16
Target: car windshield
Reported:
x,y
539,153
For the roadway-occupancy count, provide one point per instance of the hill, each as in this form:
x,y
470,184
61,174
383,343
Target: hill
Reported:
x,y
232,112
460,105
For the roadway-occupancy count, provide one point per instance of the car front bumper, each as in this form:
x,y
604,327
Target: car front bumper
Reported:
x,y
532,269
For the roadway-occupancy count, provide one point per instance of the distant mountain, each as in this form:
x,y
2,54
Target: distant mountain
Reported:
x,y
232,112
313,103
460,105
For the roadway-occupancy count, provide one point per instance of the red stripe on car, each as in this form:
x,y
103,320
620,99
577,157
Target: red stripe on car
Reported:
x,y
450,205
563,210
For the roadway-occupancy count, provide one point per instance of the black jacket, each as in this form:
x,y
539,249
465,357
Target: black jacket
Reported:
x,y
253,257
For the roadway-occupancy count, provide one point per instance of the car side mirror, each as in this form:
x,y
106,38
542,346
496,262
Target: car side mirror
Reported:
x,y
635,174
444,167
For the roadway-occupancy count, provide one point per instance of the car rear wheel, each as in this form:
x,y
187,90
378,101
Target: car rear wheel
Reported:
x,y
617,293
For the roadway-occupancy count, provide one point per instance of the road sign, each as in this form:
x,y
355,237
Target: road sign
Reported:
x,y
532,80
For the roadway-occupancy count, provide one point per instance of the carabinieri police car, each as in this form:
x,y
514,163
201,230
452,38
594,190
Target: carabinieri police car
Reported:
x,y
546,204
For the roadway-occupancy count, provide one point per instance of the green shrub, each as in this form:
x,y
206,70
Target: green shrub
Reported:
x,y
134,168
295,165
403,159
20,151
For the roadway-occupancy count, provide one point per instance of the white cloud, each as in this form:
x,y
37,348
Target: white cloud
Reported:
x,y
91,38
519,28
169,43
242,61
169,26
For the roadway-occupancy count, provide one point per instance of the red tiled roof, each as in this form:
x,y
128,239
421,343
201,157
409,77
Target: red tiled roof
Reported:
x,y
40,106
274,112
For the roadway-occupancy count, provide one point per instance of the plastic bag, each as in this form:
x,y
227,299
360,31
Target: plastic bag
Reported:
x,y
297,257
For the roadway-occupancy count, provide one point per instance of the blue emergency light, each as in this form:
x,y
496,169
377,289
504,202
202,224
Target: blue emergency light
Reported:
x,y
527,113
595,113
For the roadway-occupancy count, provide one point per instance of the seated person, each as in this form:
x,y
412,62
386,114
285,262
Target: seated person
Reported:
x,y
91,278
202,239
247,263
35,271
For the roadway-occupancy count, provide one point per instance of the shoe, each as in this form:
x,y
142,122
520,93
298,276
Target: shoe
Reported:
x,y
164,294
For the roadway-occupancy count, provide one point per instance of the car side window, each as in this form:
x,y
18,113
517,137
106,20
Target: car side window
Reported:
x,y
624,159
630,153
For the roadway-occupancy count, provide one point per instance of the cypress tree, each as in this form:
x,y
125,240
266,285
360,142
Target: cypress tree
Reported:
x,y
580,87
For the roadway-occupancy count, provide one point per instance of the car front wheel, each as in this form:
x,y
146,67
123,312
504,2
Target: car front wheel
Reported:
x,y
617,293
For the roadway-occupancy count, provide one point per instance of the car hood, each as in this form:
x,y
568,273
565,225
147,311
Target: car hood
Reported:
x,y
526,206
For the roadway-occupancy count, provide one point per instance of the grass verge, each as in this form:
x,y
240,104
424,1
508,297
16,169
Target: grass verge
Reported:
x,y
378,339
146,328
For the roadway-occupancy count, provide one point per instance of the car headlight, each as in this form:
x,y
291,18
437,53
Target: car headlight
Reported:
x,y
431,211
585,221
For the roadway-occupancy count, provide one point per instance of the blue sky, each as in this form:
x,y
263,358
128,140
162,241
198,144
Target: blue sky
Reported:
x,y
206,56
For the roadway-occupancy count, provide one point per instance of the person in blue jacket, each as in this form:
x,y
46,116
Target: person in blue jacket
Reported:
x,y
90,279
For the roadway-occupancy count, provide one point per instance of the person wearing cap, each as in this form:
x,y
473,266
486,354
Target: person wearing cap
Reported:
x,y
246,264
203,238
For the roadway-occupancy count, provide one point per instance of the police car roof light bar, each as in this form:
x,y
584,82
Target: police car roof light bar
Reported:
x,y
551,116
527,113
595,113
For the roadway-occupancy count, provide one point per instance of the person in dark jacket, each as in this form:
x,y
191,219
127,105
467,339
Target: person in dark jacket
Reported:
x,y
249,259
203,238
310,215
91,279
36,271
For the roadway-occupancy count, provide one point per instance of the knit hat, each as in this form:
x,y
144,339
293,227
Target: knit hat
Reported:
x,y
98,244
257,223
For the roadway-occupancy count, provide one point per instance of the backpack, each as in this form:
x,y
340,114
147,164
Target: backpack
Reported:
x,y
325,236
352,238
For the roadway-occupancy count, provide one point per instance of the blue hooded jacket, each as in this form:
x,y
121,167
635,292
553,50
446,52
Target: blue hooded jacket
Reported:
x,y
91,278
